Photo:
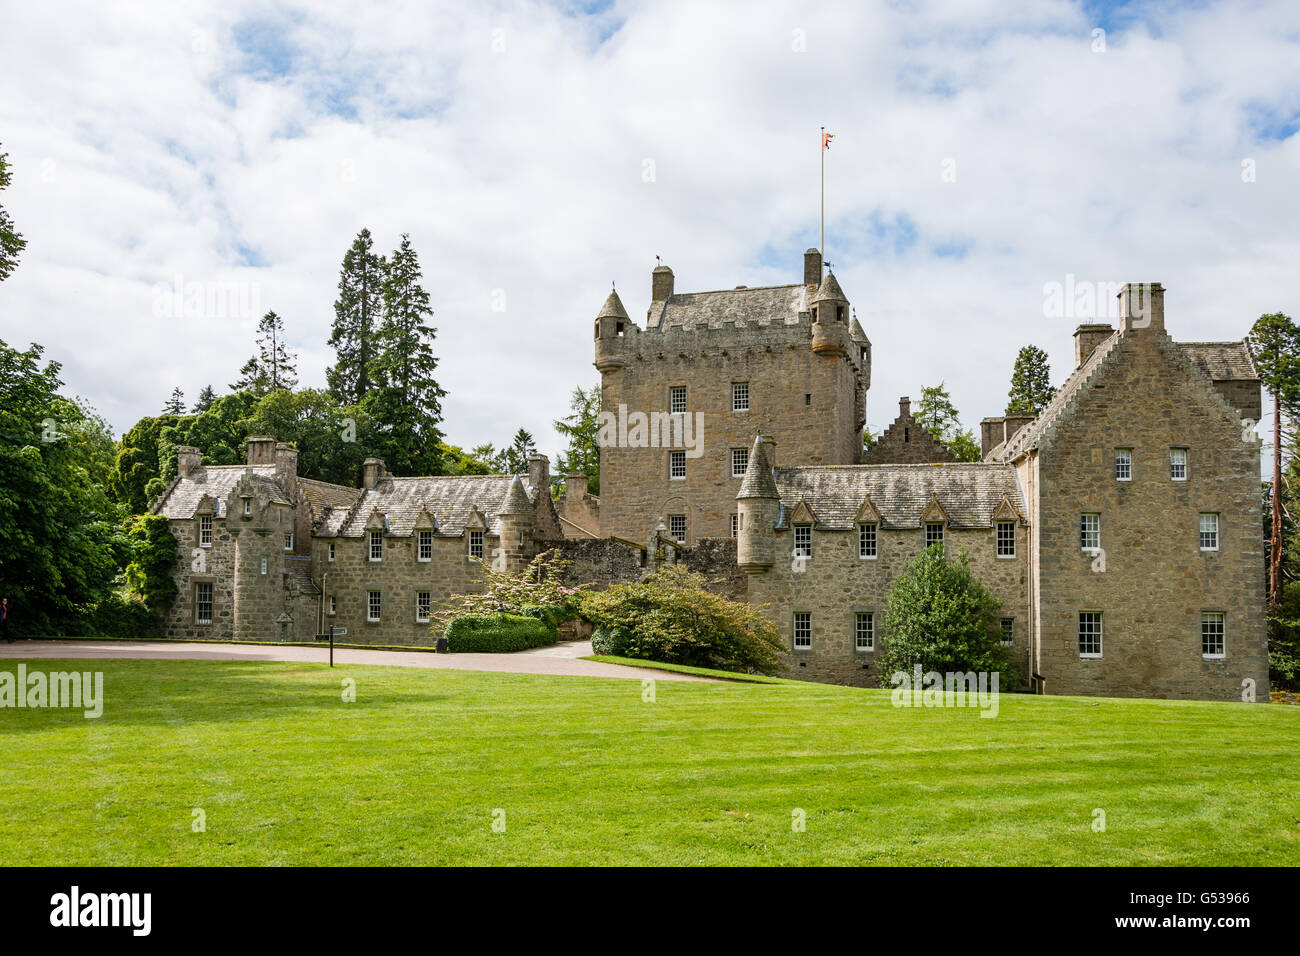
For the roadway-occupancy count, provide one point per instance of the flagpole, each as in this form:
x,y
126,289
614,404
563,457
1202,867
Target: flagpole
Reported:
x,y
821,242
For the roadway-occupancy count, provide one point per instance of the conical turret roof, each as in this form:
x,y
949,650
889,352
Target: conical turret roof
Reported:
x,y
829,290
613,308
758,481
516,500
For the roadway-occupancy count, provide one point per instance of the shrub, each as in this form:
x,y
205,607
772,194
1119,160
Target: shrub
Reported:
x,y
121,617
536,587
498,633
670,617
610,641
942,617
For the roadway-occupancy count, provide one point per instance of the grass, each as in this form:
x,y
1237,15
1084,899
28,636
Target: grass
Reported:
x,y
688,669
587,772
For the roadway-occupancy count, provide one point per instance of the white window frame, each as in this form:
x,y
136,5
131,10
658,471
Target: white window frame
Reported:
x,y
374,601
423,608
998,539
1100,634
1123,464
673,521
205,531
1211,618
735,525
199,602
288,541
476,543
864,552
1087,533
329,552
740,396
802,540
929,529
423,538
739,462
870,632
375,545
1178,464
677,463
796,631
1212,533
264,564
1003,632
333,607
674,406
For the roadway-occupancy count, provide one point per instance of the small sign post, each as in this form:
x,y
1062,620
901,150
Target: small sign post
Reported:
x,y
335,630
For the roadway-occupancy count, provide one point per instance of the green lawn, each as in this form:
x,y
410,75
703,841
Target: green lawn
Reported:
x,y
587,772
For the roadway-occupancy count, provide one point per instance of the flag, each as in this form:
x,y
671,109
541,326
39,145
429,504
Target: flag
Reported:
x,y
826,139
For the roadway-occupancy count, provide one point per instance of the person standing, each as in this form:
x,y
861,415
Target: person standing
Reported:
x,y
4,620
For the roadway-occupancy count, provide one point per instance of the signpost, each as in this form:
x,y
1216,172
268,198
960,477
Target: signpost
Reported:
x,y
340,631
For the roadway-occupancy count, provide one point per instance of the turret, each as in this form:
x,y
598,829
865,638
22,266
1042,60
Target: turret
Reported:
x,y
830,328
515,521
759,507
612,324
257,525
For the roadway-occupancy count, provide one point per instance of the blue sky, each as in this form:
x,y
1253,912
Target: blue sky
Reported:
x,y
535,152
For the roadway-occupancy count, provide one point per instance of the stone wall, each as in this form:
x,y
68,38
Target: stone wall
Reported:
x,y
905,442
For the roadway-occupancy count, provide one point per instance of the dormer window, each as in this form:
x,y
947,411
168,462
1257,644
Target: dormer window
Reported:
x,y
803,540
476,544
425,552
933,533
205,531
376,546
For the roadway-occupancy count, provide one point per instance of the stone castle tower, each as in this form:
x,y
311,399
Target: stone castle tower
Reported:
x,y
685,397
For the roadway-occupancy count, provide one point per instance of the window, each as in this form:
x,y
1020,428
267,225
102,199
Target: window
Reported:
x,y
1006,539
373,606
1090,634
1124,464
866,540
677,528
1090,532
739,462
334,605
803,540
203,602
677,464
288,541
864,631
740,396
1178,464
331,551
205,531
425,552
802,630
1212,635
807,398
677,399
1209,532
1008,625
422,604
248,507
376,546
476,544
933,533
735,525
264,565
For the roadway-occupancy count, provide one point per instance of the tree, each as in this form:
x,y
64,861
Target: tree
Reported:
x,y
357,313
1274,342
1031,382
582,428
154,557
941,616
176,404
274,366
206,397
11,241
938,415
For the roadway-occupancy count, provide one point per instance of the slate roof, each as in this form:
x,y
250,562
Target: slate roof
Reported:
x,y
216,481
763,305
969,492
449,498
1222,361
758,482
298,570
321,495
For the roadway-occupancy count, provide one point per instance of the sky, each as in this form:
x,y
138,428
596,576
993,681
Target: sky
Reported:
x,y
985,153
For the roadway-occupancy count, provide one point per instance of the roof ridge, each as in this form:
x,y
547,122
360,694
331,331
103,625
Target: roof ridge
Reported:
x,y
748,288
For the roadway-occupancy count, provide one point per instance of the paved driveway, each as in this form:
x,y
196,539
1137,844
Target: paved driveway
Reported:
x,y
559,659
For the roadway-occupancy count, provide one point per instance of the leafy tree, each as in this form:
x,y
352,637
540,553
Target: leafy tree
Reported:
x,y
332,440
358,311
1031,382
939,615
176,404
274,366
457,461
205,400
582,428
938,415
1274,342
11,241
154,558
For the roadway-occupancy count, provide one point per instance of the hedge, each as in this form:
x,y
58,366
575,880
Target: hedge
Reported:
x,y
498,634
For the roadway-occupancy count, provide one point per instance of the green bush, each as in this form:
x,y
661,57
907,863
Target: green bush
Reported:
x,y
498,633
121,617
672,618
610,641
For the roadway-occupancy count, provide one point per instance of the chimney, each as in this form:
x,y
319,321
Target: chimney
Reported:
x,y
661,284
1087,338
286,466
812,268
539,472
575,487
187,459
904,407
1013,424
372,469
1142,307
991,434
261,450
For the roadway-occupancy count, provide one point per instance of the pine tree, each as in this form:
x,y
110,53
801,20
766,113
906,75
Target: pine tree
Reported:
x,y
357,314
205,400
1031,382
938,415
275,366
176,404
582,429
11,241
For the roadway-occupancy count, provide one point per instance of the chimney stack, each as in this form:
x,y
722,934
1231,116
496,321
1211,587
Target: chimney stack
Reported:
x,y
812,268
261,450
372,469
286,466
904,406
187,459
661,284
1142,307
539,472
991,434
1087,338
575,487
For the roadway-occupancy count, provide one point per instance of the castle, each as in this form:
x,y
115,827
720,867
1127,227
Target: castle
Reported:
x,y
1120,528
